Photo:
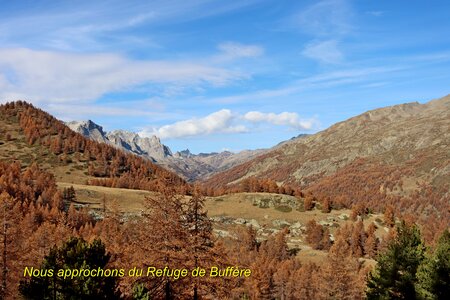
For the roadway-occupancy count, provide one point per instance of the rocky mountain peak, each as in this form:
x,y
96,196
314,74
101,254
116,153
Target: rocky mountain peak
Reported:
x,y
89,129
155,140
85,125
151,147
183,154
126,135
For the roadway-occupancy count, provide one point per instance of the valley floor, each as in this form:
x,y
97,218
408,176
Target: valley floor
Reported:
x,y
266,213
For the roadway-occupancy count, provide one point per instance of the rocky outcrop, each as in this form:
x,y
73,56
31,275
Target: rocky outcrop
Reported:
x,y
151,147
89,129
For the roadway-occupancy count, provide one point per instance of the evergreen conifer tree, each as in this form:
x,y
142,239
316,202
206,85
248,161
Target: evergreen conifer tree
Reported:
x,y
434,274
75,254
395,275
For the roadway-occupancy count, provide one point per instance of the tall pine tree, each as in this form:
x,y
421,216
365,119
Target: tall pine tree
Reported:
x,y
395,275
164,239
200,243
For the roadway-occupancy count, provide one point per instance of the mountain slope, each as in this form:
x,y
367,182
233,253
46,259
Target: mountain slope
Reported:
x,y
31,135
389,151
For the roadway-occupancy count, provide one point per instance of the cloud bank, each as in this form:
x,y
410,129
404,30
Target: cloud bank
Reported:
x,y
289,119
225,121
63,77
217,122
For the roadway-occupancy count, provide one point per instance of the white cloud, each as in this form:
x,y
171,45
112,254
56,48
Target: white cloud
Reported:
x,y
328,22
326,18
320,81
225,121
324,51
285,118
232,50
217,122
348,75
64,77
83,25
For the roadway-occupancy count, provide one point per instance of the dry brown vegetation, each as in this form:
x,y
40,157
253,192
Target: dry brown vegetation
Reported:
x,y
180,236
396,156
60,146
303,246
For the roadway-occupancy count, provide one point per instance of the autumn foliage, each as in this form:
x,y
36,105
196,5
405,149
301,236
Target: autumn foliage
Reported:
x,y
174,230
106,165
253,185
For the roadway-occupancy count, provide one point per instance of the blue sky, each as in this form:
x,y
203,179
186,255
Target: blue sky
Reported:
x,y
214,75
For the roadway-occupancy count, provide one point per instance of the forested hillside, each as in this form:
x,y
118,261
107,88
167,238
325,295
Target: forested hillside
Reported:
x,y
49,228
41,234
32,135
395,156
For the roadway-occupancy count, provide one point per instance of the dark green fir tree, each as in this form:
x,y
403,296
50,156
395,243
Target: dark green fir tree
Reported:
x,y
76,253
395,275
434,274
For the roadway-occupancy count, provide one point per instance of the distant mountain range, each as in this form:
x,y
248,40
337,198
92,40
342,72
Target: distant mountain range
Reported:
x,y
129,141
190,166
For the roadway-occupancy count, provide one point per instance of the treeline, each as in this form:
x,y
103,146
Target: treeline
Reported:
x,y
237,172
172,232
37,223
110,166
253,185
